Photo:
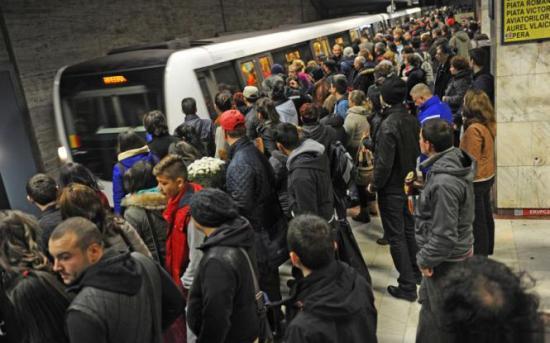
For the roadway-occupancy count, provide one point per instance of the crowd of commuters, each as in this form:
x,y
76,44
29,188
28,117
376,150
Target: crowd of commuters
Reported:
x,y
403,120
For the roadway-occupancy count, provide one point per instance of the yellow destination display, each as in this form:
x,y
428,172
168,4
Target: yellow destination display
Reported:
x,y
525,20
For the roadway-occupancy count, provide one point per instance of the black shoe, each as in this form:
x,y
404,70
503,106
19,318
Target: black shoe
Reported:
x,y
382,241
362,217
398,293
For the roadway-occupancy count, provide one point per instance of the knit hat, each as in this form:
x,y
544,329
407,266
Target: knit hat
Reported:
x,y
212,207
277,69
229,120
393,90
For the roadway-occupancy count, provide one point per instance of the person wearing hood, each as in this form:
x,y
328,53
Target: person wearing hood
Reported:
x,y
395,156
309,182
275,86
132,149
119,297
444,215
222,302
332,302
144,205
460,42
454,95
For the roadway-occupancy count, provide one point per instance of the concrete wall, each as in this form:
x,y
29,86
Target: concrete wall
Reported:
x,y
522,84
48,34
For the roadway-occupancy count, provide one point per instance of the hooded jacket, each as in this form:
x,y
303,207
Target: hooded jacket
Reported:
x,y
287,111
309,182
126,160
114,302
144,213
461,43
222,305
334,304
396,150
445,210
320,133
356,124
337,124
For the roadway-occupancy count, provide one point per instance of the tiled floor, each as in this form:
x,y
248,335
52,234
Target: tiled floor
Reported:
x,y
521,244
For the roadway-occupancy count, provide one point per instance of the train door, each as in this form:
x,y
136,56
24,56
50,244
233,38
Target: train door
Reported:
x,y
354,34
288,54
320,48
341,38
208,89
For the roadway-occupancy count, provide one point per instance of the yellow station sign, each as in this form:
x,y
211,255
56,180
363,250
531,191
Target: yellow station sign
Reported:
x,y
525,20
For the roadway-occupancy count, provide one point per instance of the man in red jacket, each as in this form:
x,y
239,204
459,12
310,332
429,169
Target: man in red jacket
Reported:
x,y
171,174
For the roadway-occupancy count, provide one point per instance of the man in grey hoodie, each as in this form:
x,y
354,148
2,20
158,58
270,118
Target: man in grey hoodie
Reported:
x,y
444,215
309,183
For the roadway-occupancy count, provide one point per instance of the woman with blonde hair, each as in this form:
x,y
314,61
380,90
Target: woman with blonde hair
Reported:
x,y
478,140
32,300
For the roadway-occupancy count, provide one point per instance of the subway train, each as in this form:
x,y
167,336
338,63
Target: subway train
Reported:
x,y
97,99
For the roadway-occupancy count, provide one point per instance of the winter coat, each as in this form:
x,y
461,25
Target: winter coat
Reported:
x,y
48,220
222,306
287,111
278,163
444,212
461,43
126,160
205,129
363,79
144,213
479,142
265,132
251,183
177,216
442,78
336,122
454,95
309,182
114,302
396,150
341,107
356,125
127,238
320,133
321,90
486,82
415,76
159,145
251,123
434,108
334,304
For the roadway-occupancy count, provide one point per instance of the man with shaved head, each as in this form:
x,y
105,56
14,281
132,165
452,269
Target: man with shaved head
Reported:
x,y
119,297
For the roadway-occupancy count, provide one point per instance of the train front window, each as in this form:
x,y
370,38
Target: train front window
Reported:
x,y
93,120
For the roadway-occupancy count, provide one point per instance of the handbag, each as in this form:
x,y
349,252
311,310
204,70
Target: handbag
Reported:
x,y
364,166
265,334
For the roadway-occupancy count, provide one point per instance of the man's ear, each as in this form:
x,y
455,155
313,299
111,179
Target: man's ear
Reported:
x,y
181,182
295,259
94,252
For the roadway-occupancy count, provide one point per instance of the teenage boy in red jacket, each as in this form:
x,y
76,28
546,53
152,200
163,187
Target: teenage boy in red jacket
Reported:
x,y
171,174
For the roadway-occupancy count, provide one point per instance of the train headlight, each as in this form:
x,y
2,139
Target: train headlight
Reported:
x,y
62,154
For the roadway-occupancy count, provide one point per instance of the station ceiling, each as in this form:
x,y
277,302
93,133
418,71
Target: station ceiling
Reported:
x,y
331,8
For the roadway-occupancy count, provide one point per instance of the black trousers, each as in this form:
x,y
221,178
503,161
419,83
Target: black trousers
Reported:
x,y
398,227
484,224
431,326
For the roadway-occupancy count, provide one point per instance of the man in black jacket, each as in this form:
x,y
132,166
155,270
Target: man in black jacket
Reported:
x,y
222,305
251,183
311,128
395,155
331,303
42,192
483,80
119,297
309,183
204,128
443,75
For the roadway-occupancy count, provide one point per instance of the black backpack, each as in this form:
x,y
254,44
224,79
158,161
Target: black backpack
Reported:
x,y
342,167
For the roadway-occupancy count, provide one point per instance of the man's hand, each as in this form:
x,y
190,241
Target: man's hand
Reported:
x,y
427,272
